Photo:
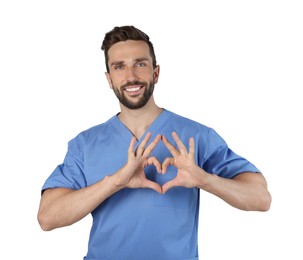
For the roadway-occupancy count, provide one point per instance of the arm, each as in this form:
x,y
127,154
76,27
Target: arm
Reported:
x,y
246,191
62,207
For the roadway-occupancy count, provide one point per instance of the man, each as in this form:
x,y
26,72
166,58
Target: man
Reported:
x,y
139,174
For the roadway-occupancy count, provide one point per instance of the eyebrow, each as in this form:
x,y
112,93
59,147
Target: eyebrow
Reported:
x,y
118,63
141,59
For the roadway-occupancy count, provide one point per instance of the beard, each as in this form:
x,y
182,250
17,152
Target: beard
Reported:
x,y
148,92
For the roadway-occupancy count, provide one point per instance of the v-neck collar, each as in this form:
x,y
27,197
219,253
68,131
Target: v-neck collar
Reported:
x,y
153,128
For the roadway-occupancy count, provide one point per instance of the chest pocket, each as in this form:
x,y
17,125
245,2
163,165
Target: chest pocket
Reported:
x,y
177,197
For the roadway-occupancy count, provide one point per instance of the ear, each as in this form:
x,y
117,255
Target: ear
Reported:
x,y
109,80
156,74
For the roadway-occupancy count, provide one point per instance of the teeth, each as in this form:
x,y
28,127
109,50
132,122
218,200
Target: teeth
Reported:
x,y
132,89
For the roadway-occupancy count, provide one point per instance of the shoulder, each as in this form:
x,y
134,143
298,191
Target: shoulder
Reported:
x,y
93,133
187,123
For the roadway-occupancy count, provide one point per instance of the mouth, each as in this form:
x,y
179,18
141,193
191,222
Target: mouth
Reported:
x,y
133,90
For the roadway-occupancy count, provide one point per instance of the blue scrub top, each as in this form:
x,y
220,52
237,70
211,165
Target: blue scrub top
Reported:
x,y
141,223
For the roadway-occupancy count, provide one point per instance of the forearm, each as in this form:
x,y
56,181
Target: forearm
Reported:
x,y
62,207
247,191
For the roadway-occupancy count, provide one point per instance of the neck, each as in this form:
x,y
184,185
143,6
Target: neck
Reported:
x,y
138,120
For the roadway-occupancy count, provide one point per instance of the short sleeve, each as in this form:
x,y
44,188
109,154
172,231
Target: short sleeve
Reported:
x,y
222,161
69,174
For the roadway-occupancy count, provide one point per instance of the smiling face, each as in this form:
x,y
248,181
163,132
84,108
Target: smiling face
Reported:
x,y
131,74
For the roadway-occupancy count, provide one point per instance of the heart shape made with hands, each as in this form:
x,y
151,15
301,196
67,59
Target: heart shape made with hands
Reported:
x,y
182,159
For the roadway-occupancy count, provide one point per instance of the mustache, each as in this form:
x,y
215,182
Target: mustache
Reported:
x,y
135,82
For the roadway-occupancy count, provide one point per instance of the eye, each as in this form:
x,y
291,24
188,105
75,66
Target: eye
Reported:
x,y
118,67
140,64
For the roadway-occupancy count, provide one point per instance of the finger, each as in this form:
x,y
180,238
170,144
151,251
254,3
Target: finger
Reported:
x,y
191,148
151,146
170,147
154,161
152,185
168,185
141,146
168,161
181,146
131,152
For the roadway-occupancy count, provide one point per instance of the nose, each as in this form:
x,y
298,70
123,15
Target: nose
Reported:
x,y
130,74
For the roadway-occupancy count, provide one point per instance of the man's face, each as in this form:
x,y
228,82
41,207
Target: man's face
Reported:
x,y
131,74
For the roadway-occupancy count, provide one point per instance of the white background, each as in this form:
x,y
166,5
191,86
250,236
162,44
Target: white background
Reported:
x,y
233,65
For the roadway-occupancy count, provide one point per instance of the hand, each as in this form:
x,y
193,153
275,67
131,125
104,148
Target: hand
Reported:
x,y
132,175
189,173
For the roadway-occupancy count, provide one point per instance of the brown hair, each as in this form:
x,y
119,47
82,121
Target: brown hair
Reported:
x,y
125,33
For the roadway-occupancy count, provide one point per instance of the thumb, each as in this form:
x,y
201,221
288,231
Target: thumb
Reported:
x,y
152,185
168,185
